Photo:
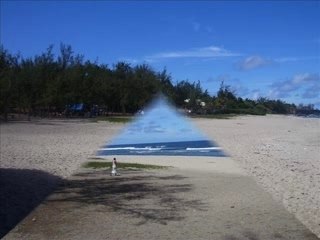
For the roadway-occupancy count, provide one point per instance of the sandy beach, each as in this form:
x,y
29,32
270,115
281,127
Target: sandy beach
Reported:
x,y
281,153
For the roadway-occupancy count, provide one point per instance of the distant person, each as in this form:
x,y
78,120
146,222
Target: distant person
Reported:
x,y
114,168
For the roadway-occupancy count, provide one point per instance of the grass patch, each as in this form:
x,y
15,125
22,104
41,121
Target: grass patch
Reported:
x,y
131,166
113,119
217,116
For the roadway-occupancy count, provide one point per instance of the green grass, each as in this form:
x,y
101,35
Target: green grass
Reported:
x,y
97,165
217,116
113,119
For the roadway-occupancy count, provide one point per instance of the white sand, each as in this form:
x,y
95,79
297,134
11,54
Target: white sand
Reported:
x,y
55,146
199,164
282,153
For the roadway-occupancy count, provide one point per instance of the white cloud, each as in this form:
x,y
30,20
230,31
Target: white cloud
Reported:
x,y
252,62
307,83
305,78
205,52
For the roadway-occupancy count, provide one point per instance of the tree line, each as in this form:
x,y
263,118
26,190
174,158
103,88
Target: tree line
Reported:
x,y
45,84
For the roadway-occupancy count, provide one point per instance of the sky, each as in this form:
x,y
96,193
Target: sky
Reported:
x,y
160,122
260,48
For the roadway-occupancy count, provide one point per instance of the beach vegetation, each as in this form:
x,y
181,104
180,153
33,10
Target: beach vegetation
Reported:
x,y
67,85
120,119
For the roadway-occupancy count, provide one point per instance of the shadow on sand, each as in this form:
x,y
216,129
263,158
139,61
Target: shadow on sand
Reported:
x,y
144,196
21,190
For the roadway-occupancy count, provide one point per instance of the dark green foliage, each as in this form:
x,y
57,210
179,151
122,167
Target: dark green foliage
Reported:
x,y
46,85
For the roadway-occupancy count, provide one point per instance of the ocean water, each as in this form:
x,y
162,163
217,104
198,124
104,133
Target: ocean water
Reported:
x,y
182,148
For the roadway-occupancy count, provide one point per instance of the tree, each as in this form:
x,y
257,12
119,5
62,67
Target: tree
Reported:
x,y
225,97
9,66
166,86
45,83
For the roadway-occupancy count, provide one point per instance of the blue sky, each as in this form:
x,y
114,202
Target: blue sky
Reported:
x,y
269,49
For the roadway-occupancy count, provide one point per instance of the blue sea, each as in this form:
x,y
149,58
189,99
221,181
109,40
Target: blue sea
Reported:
x,y
186,148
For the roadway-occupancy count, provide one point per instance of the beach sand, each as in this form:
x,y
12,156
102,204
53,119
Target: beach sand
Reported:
x,y
281,153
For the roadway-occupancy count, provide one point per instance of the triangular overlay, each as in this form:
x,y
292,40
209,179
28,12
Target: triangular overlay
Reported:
x,y
161,130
